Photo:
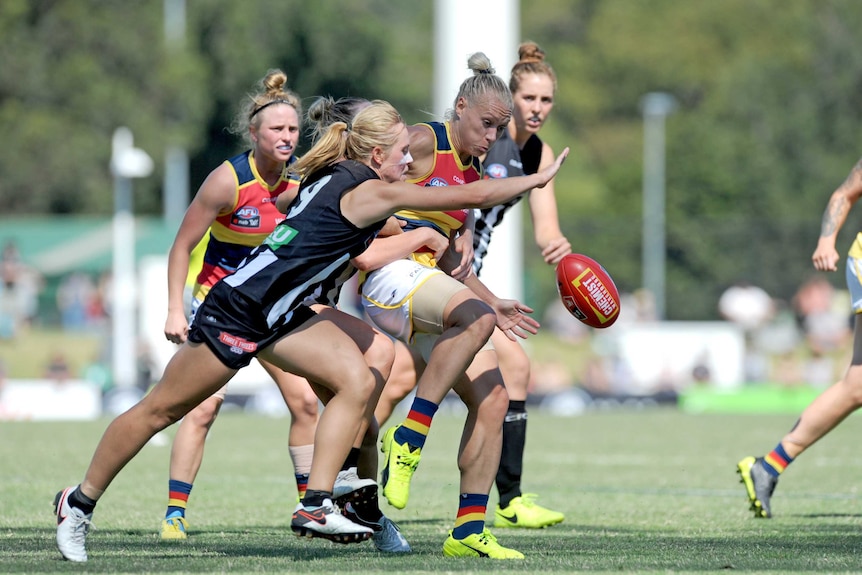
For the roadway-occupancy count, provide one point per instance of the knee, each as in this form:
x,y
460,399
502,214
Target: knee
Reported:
x,y
399,384
306,407
492,407
204,414
499,402
381,355
362,386
516,371
853,386
476,316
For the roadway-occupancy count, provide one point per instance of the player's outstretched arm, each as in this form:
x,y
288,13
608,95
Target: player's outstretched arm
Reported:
x,y
825,257
546,222
375,200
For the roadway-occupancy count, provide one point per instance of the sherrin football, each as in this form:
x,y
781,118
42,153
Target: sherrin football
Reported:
x,y
588,291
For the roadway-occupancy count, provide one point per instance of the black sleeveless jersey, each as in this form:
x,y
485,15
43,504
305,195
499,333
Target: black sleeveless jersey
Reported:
x,y
308,254
503,160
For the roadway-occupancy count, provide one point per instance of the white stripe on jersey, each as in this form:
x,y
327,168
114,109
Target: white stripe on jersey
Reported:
x,y
260,261
288,300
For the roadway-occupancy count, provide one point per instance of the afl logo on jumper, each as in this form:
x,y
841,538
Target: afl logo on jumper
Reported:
x,y
497,171
436,183
246,217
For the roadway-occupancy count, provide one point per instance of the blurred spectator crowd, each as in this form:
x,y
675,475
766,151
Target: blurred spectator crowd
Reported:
x,y
800,342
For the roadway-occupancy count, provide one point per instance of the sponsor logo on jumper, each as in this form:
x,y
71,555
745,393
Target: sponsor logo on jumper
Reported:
x,y
237,345
280,236
246,217
458,180
436,183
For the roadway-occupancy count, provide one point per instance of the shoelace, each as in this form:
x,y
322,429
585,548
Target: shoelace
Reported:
x,y
409,460
346,477
175,523
82,528
529,499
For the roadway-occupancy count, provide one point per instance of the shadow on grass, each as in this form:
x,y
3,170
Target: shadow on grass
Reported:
x,y
828,515
781,548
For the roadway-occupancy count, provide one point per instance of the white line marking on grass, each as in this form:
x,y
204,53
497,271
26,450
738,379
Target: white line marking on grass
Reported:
x,y
662,491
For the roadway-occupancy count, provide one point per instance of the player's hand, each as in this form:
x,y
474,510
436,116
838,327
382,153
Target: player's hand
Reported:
x,y
176,328
511,319
392,227
556,250
548,173
825,258
434,241
463,245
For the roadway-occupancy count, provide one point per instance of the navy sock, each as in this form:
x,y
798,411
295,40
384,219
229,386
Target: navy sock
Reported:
x,y
315,497
81,501
352,459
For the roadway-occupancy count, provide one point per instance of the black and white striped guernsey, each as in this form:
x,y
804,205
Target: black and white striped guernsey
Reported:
x,y
309,253
503,160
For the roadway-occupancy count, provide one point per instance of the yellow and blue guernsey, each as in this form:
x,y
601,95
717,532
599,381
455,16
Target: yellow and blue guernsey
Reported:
x,y
446,170
235,232
856,247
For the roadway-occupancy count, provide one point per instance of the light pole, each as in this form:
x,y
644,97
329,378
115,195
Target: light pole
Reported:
x,y
127,162
655,107
176,182
454,40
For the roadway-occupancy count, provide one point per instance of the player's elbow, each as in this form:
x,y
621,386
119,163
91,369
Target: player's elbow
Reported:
x,y
363,263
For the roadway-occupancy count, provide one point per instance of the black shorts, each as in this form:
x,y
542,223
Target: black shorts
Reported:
x,y
235,328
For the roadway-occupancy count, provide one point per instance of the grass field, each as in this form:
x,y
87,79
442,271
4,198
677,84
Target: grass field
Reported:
x,y
651,491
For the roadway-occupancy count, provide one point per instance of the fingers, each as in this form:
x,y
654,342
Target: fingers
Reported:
x,y
556,251
460,273
563,155
178,338
523,331
825,264
525,309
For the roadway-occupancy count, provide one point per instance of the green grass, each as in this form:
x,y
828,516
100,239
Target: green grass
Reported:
x,y
643,491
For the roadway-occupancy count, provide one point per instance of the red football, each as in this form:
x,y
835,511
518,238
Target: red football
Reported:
x,y
588,291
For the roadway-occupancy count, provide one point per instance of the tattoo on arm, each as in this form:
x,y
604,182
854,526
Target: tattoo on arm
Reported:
x,y
835,212
841,201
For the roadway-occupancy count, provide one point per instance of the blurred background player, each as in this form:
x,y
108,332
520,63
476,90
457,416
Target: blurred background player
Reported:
x,y
760,474
232,213
518,151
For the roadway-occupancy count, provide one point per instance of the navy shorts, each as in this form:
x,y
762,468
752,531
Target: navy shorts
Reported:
x,y
235,328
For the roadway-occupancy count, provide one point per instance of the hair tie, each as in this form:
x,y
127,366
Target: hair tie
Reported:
x,y
279,101
486,71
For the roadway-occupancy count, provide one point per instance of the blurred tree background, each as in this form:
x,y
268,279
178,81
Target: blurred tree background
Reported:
x,y
767,123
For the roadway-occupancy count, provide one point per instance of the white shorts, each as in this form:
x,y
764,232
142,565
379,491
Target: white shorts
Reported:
x,y
387,296
407,299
